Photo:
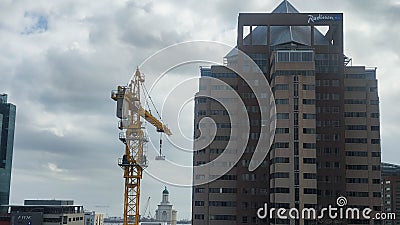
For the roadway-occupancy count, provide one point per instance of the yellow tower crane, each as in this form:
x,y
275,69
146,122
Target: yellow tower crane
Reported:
x,y
133,162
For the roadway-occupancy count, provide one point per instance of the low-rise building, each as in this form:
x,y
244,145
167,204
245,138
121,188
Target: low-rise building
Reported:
x,y
99,219
165,213
47,212
391,191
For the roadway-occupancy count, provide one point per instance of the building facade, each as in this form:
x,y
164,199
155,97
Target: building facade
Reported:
x,y
391,191
7,127
327,137
93,218
47,212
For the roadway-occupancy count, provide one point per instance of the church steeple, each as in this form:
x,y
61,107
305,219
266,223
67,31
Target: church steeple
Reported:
x,y
165,195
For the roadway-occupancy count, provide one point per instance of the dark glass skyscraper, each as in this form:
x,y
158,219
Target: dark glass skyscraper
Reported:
x,y
327,137
7,127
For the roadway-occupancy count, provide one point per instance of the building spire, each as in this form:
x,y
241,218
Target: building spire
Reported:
x,y
165,195
286,3
285,7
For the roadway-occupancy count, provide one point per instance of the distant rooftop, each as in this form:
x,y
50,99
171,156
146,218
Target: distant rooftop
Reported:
x,y
389,169
49,202
3,98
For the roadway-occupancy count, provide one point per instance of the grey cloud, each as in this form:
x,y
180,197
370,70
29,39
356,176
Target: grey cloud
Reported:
x,y
47,77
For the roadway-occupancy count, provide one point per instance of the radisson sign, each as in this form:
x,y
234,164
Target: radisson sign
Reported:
x,y
321,17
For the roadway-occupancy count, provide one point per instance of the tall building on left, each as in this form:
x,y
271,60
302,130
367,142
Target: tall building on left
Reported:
x,y
7,127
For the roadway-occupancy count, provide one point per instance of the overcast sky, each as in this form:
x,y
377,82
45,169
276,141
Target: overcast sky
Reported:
x,y
59,60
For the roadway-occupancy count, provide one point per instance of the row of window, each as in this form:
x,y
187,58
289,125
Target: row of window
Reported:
x,y
323,109
200,100
294,56
65,219
355,76
224,177
327,109
361,141
287,190
253,191
327,96
362,167
216,203
320,67
220,87
281,130
361,89
221,150
222,217
279,175
218,125
328,193
249,177
357,194
216,190
220,75
328,150
362,154
326,83
360,114
328,165
325,56
221,138
285,87
294,72
360,102
324,96
362,181
355,88
286,144
328,123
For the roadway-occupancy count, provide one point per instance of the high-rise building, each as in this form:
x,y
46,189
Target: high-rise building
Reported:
x,y
327,137
7,125
391,191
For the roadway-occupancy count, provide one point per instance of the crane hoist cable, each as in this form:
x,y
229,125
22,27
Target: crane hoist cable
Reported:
x,y
147,96
151,100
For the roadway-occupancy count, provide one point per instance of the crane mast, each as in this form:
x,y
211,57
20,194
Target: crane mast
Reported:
x,y
133,162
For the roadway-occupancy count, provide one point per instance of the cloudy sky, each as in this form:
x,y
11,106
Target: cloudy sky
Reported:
x,y
59,60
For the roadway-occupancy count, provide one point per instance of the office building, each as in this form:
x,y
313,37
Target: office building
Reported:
x,y
391,191
327,137
47,212
7,127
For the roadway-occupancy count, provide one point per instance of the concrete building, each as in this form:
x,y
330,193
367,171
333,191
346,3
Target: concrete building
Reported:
x,y
165,213
99,219
47,212
7,127
327,139
391,191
